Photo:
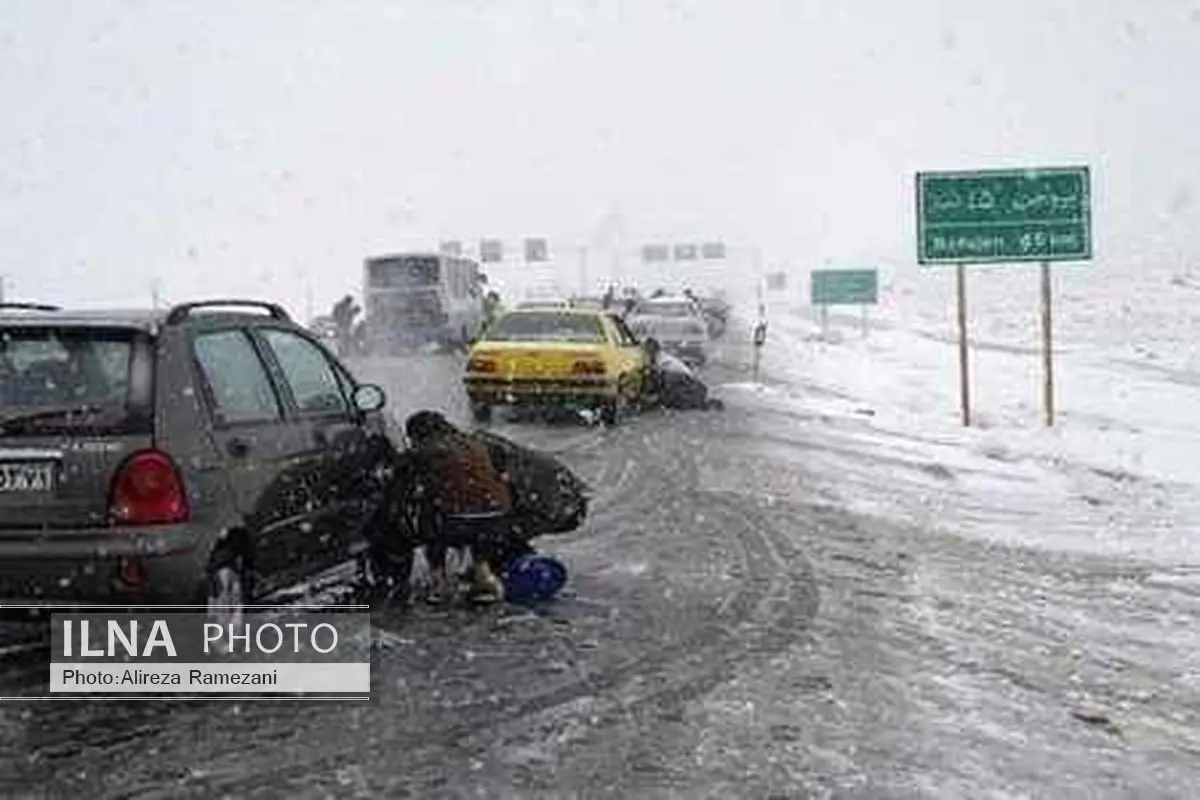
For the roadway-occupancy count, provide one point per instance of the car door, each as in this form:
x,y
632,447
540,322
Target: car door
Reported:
x,y
261,450
335,440
632,356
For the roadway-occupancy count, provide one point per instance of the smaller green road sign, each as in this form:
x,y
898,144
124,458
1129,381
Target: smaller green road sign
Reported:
x,y
995,216
845,287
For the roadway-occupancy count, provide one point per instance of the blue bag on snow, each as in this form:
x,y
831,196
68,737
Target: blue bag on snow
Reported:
x,y
532,578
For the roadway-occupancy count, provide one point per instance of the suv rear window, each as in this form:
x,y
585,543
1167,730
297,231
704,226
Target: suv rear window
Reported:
x,y
68,379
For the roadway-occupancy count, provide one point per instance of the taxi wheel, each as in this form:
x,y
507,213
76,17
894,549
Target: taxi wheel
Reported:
x,y
481,412
610,410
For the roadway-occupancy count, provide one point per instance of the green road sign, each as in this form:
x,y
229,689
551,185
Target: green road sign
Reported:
x,y
995,216
536,250
845,287
491,251
656,252
686,252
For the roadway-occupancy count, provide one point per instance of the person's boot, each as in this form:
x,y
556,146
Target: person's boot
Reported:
x,y
439,589
488,588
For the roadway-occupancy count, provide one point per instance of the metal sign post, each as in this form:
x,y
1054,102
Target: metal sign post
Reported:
x,y
864,320
1047,348
964,378
760,338
1005,216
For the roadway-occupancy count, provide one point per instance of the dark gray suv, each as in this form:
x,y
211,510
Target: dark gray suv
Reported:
x,y
207,454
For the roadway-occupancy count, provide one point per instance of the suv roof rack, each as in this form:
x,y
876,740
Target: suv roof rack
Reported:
x,y
30,306
184,310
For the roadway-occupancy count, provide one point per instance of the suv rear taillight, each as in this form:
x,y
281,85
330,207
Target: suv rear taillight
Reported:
x,y
147,490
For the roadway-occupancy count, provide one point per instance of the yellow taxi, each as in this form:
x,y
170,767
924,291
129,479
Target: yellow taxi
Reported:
x,y
581,358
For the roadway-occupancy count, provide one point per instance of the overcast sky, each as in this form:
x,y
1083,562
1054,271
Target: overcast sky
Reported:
x,y
236,147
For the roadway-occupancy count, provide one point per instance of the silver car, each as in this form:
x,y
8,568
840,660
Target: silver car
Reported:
x,y
196,455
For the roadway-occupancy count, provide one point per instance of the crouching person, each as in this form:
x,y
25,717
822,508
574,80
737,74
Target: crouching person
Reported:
x,y
462,502
673,384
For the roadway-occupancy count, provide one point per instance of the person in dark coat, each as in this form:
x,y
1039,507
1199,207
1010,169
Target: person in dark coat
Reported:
x,y
673,384
492,309
463,501
344,313
445,491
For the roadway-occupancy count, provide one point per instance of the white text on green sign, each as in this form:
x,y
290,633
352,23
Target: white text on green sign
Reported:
x,y
996,216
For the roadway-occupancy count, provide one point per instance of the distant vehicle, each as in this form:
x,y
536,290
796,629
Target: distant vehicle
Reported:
x,y
151,457
567,357
686,338
668,306
716,314
418,299
326,329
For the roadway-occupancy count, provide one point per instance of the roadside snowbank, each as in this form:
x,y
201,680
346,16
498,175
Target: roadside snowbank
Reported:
x,y
1118,474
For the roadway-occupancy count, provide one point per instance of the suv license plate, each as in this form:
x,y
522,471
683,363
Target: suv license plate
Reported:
x,y
22,478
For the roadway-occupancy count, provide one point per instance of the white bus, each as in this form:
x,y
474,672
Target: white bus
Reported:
x,y
416,299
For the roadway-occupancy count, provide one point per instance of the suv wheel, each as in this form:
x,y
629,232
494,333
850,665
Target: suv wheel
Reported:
x,y
384,575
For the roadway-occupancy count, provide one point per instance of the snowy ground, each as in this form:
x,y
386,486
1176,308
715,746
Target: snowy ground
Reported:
x,y
1119,473
1002,618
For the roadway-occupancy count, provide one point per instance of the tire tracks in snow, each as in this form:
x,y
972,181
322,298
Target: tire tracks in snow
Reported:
x,y
766,612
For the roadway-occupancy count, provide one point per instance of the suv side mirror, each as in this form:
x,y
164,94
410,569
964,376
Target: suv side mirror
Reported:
x,y
368,397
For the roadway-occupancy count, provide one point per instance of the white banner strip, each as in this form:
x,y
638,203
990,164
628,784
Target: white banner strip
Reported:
x,y
262,678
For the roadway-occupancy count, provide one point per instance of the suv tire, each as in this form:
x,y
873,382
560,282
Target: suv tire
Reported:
x,y
385,575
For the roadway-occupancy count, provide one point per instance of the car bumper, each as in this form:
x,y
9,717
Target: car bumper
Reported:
x,y
539,391
83,568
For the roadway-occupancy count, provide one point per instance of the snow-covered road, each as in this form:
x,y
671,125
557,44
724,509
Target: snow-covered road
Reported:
x,y
830,590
